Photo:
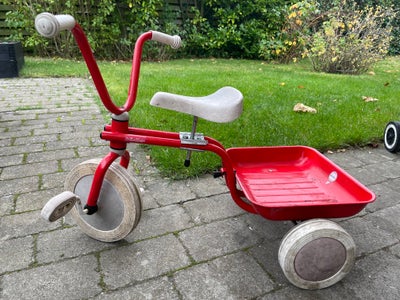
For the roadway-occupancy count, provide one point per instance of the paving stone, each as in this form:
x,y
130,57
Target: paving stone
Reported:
x,y
70,279
25,185
209,209
235,276
368,234
148,200
35,139
29,170
388,219
141,261
366,176
51,181
266,254
395,250
344,161
21,149
267,229
57,145
218,238
375,276
92,151
159,288
386,196
206,185
293,293
67,243
50,155
167,192
11,160
6,204
160,221
24,224
387,169
35,200
8,248
216,249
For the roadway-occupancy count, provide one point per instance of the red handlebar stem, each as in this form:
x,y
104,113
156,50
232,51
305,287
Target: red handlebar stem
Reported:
x,y
94,70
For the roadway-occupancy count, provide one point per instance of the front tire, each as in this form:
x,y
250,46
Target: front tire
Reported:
x,y
392,137
119,203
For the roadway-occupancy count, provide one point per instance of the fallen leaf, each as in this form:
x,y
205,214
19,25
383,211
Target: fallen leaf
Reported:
x,y
369,99
300,107
282,83
387,83
373,145
371,73
301,86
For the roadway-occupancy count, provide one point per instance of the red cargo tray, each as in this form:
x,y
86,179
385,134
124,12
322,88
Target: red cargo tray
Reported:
x,y
296,183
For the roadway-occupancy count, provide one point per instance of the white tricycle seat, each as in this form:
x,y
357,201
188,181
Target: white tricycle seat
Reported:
x,y
225,105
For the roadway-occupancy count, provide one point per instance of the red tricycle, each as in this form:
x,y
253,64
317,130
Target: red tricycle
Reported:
x,y
295,183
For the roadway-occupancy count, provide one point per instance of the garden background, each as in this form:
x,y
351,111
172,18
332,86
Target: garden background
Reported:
x,y
269,50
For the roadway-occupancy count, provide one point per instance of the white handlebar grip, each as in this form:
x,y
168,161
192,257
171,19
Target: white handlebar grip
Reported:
x,y
49,25
173,41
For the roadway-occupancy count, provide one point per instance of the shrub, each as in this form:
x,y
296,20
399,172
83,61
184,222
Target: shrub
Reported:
x,y
344,39
112,27
235,28
288,44
94,18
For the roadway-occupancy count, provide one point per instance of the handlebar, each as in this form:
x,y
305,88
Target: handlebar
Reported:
x,y
49,25
173,41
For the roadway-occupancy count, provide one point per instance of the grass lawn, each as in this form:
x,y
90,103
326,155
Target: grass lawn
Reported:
x,y
270,92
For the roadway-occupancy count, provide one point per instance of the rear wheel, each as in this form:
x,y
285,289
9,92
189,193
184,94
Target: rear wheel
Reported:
x,y
316,254
392,137
119,203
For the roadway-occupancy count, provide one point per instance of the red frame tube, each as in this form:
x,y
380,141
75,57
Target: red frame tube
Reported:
x,y
98,80
121,136
98,178
172,139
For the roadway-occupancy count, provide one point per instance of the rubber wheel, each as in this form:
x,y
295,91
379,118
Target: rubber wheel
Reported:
x,y
316,254
58,206
392,137
119,203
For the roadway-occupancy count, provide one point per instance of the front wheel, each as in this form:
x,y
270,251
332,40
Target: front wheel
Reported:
x,y
316,254
392,137
119,203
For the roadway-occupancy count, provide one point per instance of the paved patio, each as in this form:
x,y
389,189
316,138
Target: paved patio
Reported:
x,y
193,242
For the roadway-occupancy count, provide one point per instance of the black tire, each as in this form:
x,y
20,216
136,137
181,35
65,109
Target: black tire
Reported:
x,y
392,137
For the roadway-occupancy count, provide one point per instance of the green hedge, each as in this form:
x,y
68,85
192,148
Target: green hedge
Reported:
x,y
219,28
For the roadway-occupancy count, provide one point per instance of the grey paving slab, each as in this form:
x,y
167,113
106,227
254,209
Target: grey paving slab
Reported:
x,y
206,210
160,221
24,224
143,260
235,276
218,238
70,279
8,248
159,288
66,243
373,273
193,242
